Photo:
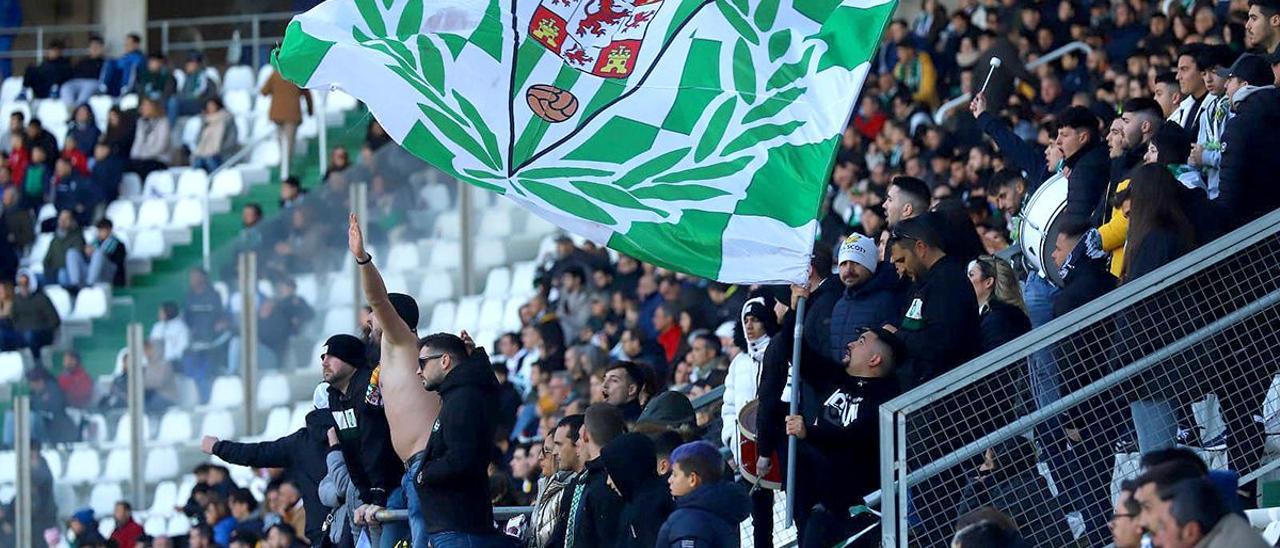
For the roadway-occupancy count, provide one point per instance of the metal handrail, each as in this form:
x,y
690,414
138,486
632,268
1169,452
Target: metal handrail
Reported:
x,y
942,112
499,513
221,19
254,41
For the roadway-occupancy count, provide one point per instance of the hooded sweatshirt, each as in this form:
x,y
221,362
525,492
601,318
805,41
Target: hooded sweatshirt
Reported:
x,y
365,438
453,481
646,501
707,517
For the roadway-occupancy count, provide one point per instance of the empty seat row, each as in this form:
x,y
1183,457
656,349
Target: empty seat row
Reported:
x,y
90,303
155,213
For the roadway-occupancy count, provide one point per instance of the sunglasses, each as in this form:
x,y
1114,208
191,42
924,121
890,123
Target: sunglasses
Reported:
x,y
422,362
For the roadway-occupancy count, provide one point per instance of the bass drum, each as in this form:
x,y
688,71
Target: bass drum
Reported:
x,y
1038,230
750,450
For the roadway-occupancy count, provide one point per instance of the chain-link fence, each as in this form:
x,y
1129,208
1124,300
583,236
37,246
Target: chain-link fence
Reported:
x,y
1046,427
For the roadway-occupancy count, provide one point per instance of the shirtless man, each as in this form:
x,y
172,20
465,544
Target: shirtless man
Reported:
x,y
410,409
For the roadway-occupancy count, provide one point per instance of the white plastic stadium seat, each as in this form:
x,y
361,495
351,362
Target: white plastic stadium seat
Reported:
x,y
148,244
522,276
496,226
191,132
511,314
101,107
498,283
104,496
468,313
129,101
8,467
264,72
339,320
91,304
298,418
159,184
448,225
61,300
395,283
446,254
493,257
130,186
155,525
106,525
8,108
307,287
124,428
442,316
266,154
239,77
11,367
161,463
227,183
11,89
273,390
175,427
436,286
122,214
188,212
82,466
218,424
277,425
47,211
404,257
52,114
179,526
118,466
238,101
163,499
154,213
490,315
193,182
227,393
54,460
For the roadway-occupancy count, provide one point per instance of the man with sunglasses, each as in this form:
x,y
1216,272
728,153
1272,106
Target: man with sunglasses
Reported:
x,y
940,327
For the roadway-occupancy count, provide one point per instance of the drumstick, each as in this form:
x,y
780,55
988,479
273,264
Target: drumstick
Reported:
x,y
995,62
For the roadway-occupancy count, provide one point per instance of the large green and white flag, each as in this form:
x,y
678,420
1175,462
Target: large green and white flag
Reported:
x,y
693,134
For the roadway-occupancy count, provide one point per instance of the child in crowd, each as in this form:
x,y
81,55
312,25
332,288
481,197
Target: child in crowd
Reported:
x,y
708,509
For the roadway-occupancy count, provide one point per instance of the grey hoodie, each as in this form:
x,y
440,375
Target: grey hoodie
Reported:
x,y
338,492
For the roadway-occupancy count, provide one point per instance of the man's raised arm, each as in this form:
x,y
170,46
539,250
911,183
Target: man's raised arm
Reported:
x,y
394,330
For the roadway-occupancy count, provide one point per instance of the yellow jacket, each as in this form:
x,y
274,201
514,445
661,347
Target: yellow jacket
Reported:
x,y
925,90
1114,233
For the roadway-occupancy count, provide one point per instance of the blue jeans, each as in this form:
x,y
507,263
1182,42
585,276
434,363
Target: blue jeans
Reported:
x,y
454,539
406,497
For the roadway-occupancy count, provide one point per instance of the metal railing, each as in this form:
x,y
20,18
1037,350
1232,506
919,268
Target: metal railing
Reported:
x,y
946,108
255,41
1045,427
44,34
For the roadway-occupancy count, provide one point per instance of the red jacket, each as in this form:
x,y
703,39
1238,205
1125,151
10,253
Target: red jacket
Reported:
x,y
79,162
670,341
870,127
126,534
19,159
77,385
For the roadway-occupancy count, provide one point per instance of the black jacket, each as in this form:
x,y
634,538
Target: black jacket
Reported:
x,y
1157,249
303,452
817,312
1001,323
375,468
1086,280
453,482
707,518
940,326
1247,188
1090,171
646,500
598,510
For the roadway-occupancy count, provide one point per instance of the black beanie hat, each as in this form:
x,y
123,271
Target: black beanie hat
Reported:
x,y
406,308
760,307
346,348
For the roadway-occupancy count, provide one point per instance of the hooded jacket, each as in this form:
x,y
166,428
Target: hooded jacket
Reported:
x,y
365,437
1246,185
1090,171
707,518
453,481
646,500
302,451
940,327
874,303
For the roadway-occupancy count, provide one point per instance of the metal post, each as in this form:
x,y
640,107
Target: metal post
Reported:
x,y
249,336
164,37
39,44
888,502
466,247
257,36
204,234
285,153
360,205
319,102
22,440
137,415
795,410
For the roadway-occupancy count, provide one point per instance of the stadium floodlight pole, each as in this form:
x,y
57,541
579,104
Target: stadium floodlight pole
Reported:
x,y
792,441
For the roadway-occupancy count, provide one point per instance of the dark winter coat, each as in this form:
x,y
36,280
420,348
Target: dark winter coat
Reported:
x,y
1090,172
303,452
1247,188
646,500
365,438
874,303
1157,249
453,481
940,326
598,511
1001,323
707,518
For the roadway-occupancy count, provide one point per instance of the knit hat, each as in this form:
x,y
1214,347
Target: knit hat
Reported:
x,y
760,307
320,398
84,516
668,409
406,308
859,249
346,348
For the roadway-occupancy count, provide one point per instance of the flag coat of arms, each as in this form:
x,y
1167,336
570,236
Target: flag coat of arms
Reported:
x,y
697,135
